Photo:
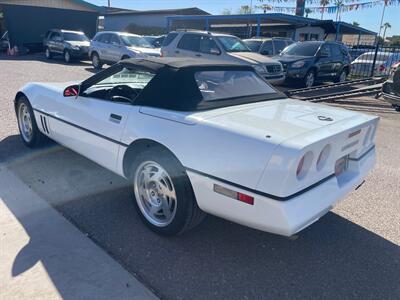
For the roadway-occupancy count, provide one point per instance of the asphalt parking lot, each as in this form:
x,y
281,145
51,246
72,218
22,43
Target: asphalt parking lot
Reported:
x,y
352,252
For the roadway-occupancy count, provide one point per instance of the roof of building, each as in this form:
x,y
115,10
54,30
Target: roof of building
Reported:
x,y
275,19
176,11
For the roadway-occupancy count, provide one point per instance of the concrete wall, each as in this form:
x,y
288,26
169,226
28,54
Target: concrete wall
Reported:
x,y
121,22
27,25
309,30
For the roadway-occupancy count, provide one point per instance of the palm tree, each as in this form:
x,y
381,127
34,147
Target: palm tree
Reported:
x,y
338,4
356,24
323,3
386,26
307,11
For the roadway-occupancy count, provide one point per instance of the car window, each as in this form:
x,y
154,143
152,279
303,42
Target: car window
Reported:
x,y
267,48
233,44
105,38
114,39
190,42
302,49
170,37
217,85
55,36
325,50
253,45
208,45
135,41
279,46
72,36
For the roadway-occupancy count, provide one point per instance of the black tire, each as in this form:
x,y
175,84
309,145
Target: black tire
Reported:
x,y
47,53
67,56
125,57
96,62
37,139
188,214
306,82
343,74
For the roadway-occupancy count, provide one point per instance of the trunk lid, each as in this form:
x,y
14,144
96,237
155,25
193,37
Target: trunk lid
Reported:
x,y
278,119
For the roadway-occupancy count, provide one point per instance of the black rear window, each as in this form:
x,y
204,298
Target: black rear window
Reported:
x,y
170,37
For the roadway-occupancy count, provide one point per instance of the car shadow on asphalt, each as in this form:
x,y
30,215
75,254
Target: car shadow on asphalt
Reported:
x,y
334,258
57,59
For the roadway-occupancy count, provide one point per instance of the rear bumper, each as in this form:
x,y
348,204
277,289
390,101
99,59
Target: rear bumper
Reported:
x,y
281,217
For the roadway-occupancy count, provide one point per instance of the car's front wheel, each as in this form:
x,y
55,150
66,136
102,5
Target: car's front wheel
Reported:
x,y
48,53
309,79
29,131
163,193
96,62
342,76
67,56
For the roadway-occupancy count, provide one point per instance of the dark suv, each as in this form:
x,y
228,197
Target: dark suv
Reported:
x,y
69,44
313,61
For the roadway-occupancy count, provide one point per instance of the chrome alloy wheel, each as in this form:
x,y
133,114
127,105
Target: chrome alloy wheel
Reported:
x,y
67,57
47,53
342,77
155,193
310,79
95,61
25,122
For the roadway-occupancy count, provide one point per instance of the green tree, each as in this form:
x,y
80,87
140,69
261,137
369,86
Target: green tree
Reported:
x,y
244,9
307,11
356,24
385,26
395,40
339,4
323,3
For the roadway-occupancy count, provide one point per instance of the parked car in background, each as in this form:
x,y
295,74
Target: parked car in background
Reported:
x,y
108,47
311,61
155,40
69,44
216,46
357,50
391,88
362,65
194,136
4,42
268,46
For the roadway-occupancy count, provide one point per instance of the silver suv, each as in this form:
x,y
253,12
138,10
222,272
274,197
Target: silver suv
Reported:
x,y
110,47
221,47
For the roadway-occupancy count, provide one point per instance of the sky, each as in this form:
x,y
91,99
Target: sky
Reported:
x,y
368,18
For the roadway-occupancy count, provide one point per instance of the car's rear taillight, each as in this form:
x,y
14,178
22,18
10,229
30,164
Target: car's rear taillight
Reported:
x,y
382,68
323,157
304,165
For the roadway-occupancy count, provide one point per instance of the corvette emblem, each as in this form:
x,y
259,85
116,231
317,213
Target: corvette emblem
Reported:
x,y
323,118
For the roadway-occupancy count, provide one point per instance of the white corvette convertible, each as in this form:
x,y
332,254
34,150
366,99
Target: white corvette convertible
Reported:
x,y
197,136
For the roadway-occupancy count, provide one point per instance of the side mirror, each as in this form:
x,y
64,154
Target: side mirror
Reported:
x,y
71,91
214,51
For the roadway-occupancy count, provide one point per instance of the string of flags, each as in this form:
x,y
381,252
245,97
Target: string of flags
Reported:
x,y
328,9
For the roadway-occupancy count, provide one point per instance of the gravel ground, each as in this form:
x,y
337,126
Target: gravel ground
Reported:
x,y
353,252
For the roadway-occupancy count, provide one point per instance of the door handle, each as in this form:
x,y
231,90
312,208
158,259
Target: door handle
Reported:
x,y
198,55
115,118
177,51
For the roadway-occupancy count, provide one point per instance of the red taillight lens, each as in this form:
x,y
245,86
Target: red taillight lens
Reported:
x,y
245,198
323,157
382,68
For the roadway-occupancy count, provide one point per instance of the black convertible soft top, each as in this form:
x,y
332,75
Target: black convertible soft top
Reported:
x,y
174,86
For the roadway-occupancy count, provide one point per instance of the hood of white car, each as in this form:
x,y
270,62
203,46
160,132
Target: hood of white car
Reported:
x,y
252,57
278,119
147,51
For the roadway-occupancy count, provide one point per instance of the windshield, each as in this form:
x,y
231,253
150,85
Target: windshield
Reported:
x,y
301,49
135,41
133,78
218,85
253,45
233,44
72,36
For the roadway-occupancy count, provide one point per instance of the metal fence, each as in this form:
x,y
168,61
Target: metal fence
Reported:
x,y
372,61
